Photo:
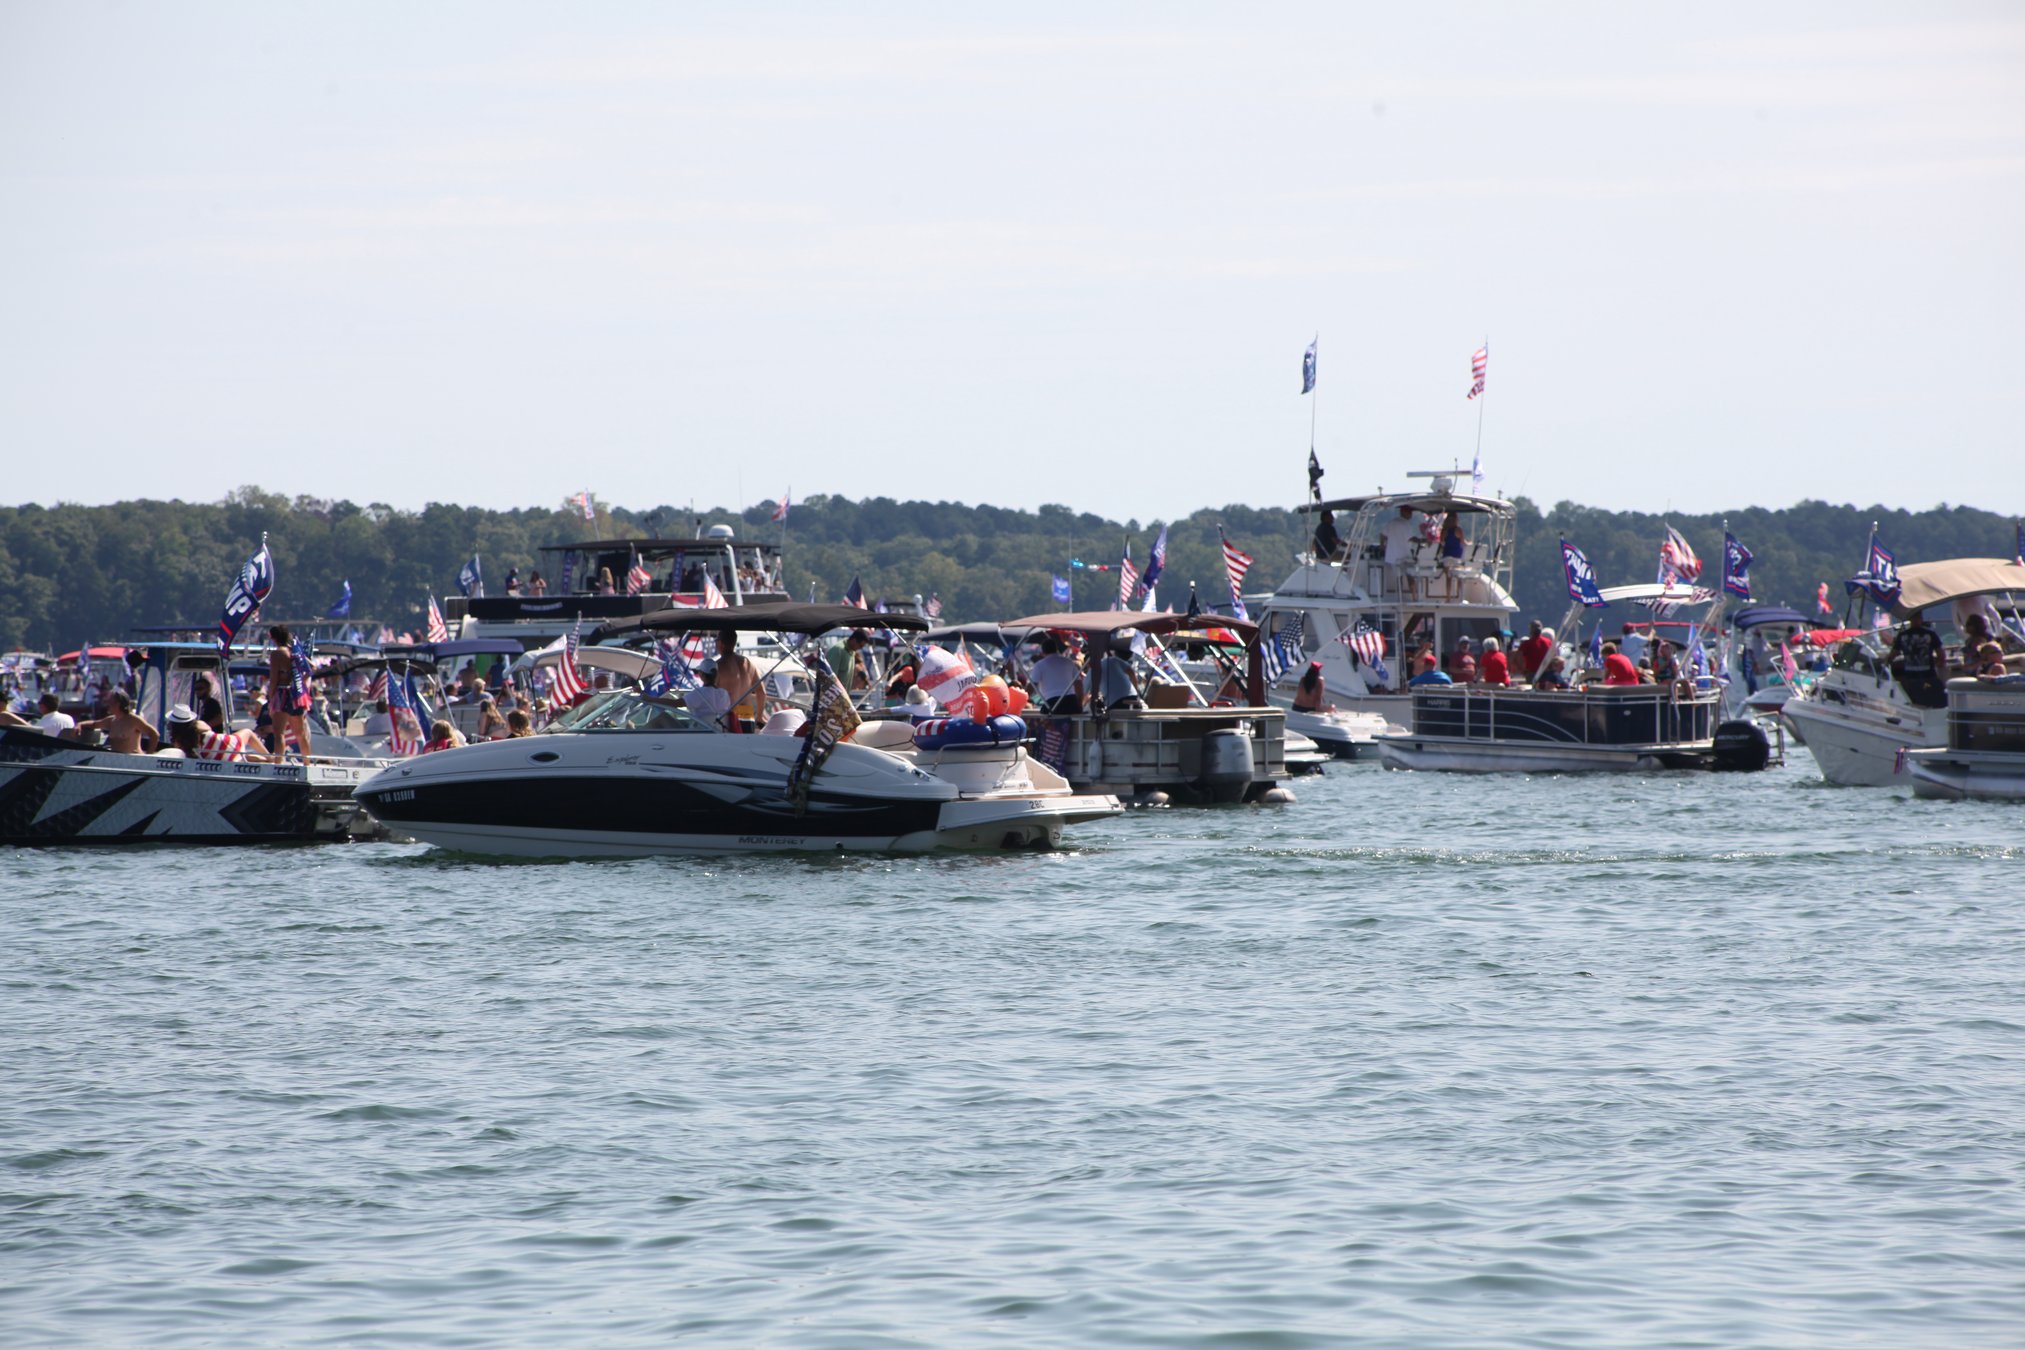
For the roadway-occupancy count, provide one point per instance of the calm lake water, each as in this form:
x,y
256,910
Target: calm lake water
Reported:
x,y
1421,1060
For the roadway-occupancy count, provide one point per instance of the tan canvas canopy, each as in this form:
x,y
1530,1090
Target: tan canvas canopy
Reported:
x,y
1937,583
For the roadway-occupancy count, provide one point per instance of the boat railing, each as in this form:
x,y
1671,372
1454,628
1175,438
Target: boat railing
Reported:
x,y
1603,715
1987,715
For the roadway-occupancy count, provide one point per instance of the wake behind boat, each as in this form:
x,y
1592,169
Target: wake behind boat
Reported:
x,y
635,773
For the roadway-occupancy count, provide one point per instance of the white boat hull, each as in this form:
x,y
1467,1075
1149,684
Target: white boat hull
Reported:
x,y
1859,745
634,794
60,792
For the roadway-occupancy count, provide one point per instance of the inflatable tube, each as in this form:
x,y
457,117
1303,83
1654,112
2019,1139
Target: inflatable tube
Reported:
x,y
938,733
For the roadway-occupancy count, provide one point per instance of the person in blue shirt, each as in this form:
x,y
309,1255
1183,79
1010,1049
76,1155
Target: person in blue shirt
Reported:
x,y
1430,672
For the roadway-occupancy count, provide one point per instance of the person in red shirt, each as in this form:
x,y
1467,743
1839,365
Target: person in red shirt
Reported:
x,y
1617,667
1532,651
1494,668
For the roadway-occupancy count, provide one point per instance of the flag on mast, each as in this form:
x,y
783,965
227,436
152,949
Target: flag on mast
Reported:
x,y
1236,562
1308,366
780,508
438,630
343,608
249,592
1479,359
1736,562
471,580
637,576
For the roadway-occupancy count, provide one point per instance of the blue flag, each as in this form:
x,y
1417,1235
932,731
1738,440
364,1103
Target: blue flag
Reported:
x,y
1596,645
471,581
248,593
1879,577
1581,576
343,608
1061,591
1736,562
1308,367
1155,560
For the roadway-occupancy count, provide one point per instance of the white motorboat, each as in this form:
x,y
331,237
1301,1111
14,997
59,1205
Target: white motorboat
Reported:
x,y
1984,758
1755,661
1858,718
55,791
1418,599
630,774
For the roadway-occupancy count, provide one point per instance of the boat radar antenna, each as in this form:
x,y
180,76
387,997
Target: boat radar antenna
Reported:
x,y
1440,480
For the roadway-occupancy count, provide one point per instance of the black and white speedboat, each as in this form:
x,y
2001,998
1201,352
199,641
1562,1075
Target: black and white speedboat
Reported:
x,y
633,774
55,791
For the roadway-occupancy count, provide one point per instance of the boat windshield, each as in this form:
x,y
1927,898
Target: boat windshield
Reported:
x,y
629,710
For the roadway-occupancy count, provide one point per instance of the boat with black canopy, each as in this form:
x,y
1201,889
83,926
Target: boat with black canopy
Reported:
x,y
632,773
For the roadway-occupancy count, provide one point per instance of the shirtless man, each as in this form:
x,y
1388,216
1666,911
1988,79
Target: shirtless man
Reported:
x,y
126,732
738,678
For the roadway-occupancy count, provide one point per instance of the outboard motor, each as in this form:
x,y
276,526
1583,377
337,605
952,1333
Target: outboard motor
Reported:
x,y
1742,746
1226,765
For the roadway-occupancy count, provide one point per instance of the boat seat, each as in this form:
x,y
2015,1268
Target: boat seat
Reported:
x,y
889,733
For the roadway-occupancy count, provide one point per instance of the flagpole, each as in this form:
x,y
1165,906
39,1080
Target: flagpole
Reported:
x,y
1477,459
1314,403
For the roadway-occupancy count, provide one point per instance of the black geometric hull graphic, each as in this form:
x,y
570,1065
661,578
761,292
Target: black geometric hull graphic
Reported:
x,y
52,791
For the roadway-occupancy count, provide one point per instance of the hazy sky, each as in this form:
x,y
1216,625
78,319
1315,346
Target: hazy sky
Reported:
x,y
494,253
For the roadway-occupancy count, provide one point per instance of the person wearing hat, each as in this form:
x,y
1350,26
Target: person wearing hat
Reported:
x,y
709,703
193,737
1310,696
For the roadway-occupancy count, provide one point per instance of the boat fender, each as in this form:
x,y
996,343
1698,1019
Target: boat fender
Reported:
x,y
939,732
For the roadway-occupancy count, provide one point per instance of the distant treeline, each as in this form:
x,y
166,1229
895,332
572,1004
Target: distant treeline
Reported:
x,y
70,574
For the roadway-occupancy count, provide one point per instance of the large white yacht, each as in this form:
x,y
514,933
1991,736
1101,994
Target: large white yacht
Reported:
x,y
1419,599
1858,717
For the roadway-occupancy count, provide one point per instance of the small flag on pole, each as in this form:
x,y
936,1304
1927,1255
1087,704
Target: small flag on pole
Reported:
x,y
1308,366
438,630
855,596
470,580
1581,576
637,576
1479,359
584,505
1314,476
1128,579
780,508
1060,590
1879,577
343,608
1736,562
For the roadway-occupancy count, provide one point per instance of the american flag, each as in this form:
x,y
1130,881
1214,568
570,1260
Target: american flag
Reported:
x,y
780,508
437,631
1128,581
1479,359
399,707
855,596
1236,562
584,505
378,688
675,675
1366,641
1283,650
1677,560
637,576
566,685
933,609
1369,644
